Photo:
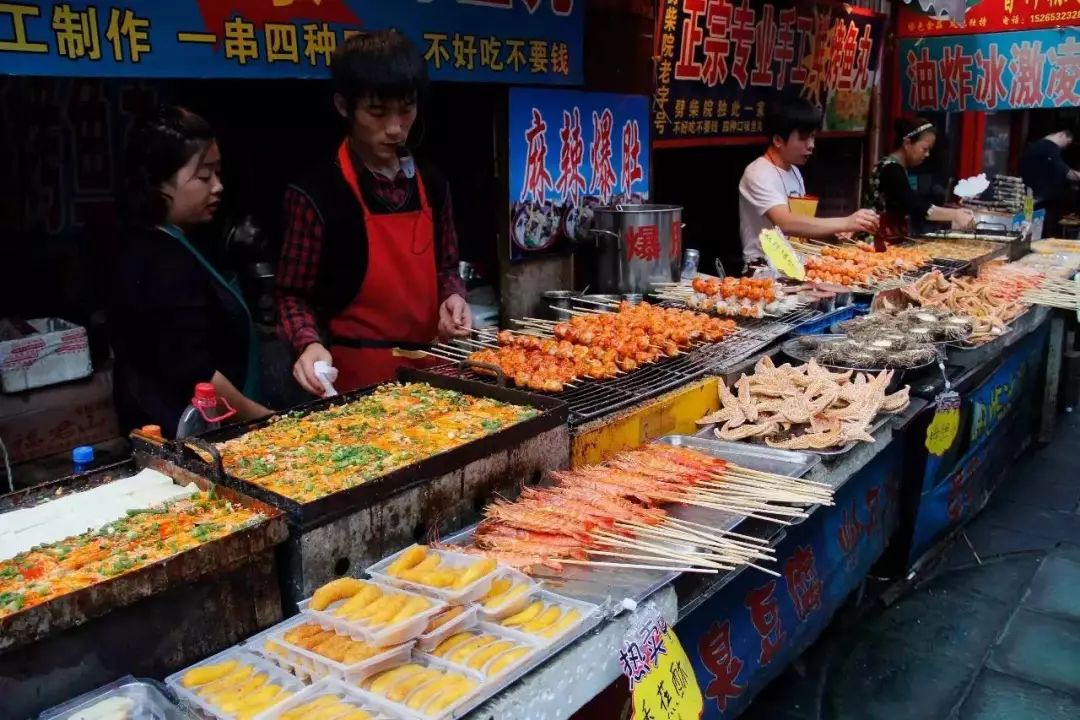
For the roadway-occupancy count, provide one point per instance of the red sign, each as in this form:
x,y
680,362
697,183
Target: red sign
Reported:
x,y
643,242
993,16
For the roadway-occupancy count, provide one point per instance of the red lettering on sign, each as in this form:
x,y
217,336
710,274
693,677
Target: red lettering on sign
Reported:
x,y
1026,65
600,151
862,60
922,74
717,44
688,67
631,153
714,649
873,500
956,74
571,183
742,32
805,26
785,45
537,177
676,240
643,243
765,616
764,47
1064,63
260,12
849,532
817,76
848,48
803,584
990,85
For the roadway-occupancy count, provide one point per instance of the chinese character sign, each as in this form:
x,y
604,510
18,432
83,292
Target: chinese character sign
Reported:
x,y
993,16
1002,71
720,62
519,41
570,152
662,682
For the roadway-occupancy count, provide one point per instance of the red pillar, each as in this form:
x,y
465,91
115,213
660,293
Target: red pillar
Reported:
x,y
972,137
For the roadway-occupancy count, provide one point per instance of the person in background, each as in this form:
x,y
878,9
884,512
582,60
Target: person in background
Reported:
x,y
369,263
890,193
771,180
174,320
1045,171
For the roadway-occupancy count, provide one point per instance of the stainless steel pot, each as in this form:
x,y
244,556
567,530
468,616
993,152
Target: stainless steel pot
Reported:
x,y
637,245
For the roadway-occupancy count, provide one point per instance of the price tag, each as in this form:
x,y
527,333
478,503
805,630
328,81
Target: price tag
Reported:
x,y
662,681
781,255
1029,207
943,429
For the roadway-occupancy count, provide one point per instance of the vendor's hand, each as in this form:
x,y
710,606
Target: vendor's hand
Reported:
x,y
455,318
963,219
304,368
862,221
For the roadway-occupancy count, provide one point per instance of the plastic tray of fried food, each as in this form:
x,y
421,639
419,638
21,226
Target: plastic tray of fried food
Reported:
x,y
547,617
378,614
127,697
490,650
328,699
509,593
312,652
451,577
424,688
233,685
452,620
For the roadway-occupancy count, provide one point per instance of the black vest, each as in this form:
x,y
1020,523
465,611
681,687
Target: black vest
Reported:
x,y
343,259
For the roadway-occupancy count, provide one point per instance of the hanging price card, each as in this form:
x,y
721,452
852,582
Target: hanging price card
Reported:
x,y
662,681
943,429
781,255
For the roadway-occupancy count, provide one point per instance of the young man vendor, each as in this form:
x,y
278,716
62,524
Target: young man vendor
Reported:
x,y
769,181
369,263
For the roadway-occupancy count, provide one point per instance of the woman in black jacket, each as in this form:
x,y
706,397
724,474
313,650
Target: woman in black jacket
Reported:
x,y
174,320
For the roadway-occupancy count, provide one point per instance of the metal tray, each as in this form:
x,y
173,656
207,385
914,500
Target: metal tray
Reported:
x,y
77,607
324,510
793,348
792,463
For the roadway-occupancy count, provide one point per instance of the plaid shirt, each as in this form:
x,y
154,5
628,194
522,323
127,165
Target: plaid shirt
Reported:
x,y
302,247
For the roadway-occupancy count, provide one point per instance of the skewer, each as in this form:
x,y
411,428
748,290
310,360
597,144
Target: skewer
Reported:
x,y
739,550
632,556
662,551
714,534
632,566
732,533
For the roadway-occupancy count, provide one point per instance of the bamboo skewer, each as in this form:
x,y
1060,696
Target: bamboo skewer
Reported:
x,y
633,566
661,532
649,558
662,551
731,533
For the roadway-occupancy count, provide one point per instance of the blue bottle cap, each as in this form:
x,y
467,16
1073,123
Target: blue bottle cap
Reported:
x,y
82,455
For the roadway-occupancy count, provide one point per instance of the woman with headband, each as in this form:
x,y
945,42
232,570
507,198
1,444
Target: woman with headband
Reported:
x,y
889,191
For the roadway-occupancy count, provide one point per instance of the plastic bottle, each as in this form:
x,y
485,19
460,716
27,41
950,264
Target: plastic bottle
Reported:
x,y
203,414
82,459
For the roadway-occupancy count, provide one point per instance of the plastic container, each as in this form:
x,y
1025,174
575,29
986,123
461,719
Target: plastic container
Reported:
x,y
481,657
310,666
206,708
401,709
585,612
822,324
452,560
204,413
82,459
382,636
41,352
139,698
346,693
467,619
511,605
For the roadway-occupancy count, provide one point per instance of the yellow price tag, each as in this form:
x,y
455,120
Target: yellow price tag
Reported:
x,y
662,681
1029,208
943,429
781,255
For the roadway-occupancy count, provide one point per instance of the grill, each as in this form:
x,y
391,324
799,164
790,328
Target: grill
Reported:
x,y
592,399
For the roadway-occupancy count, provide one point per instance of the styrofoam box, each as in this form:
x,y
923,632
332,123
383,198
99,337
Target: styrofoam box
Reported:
x,y
57,352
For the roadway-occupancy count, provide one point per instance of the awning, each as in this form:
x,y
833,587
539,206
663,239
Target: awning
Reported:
x,y
953,9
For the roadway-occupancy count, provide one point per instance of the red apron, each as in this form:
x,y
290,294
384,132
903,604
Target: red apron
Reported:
x,y
396,311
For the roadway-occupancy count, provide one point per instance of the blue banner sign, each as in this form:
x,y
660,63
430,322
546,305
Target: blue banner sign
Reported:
x,y
992,71
571,151
507,41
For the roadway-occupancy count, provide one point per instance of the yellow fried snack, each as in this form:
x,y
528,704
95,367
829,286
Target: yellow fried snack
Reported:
x,y
413,606
231,701
480,658
301,710
527,615
388,608
512,594
452,642
450,696
431,562
501,663
442,618
335,590
545,619
383,681
238,675
261,701
354,714
207,673
498,587
403,689
366,595
423,696
567,621
334,648
462,653
360,652
477,570
412,557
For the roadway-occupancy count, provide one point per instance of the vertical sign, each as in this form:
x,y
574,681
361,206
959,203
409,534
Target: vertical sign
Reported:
x,y
570,152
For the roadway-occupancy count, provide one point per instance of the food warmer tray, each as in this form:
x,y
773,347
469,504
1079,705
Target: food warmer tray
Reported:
x,y
331,507
879,422
608,587
75,608
793,348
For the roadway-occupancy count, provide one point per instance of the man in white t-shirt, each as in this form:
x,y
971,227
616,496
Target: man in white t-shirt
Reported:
x,y
769,181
